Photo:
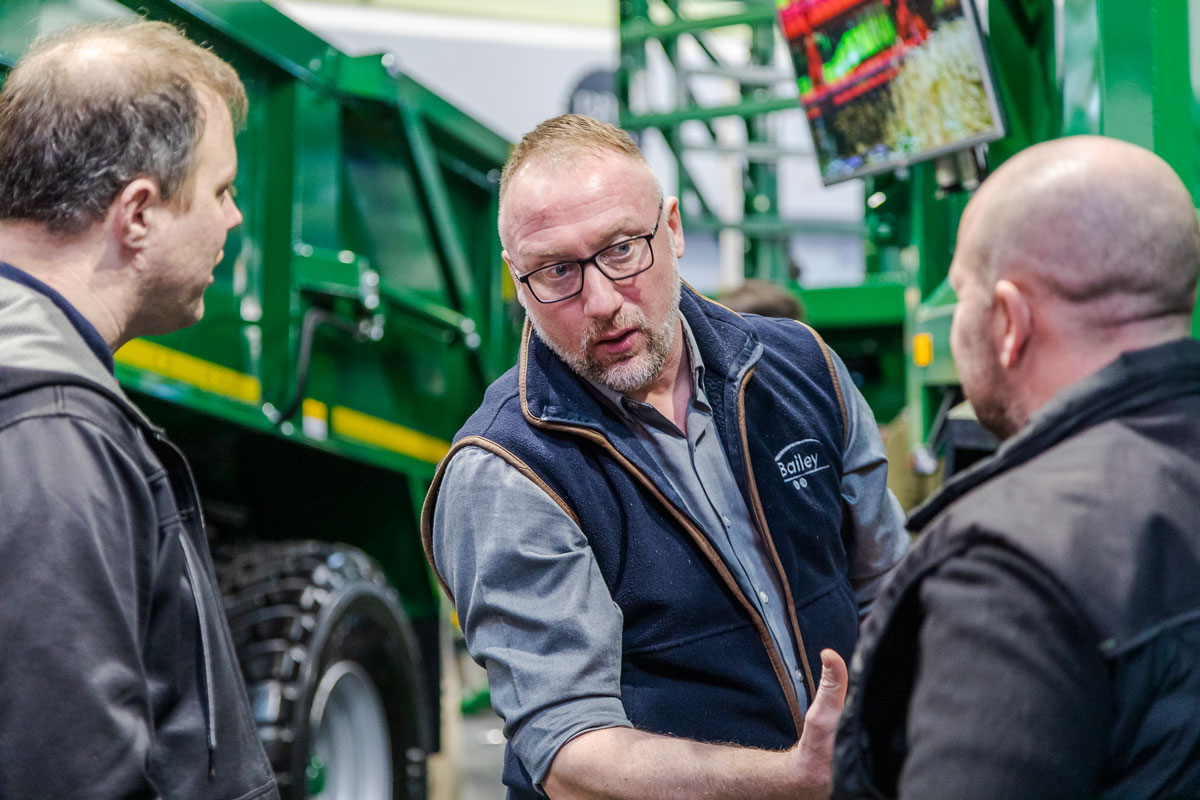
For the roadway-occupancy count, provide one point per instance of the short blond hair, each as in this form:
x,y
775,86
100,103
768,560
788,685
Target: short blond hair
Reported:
x,y
564,136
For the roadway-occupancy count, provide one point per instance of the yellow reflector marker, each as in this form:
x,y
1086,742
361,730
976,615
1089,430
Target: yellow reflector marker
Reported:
x,y
372,430
177,366
923,349
508,289
314,408
314,419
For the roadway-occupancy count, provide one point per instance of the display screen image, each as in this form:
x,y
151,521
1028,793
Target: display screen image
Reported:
x,y
887,83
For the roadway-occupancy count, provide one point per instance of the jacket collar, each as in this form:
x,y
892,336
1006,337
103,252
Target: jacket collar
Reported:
x,y
551,392
82,326
1136,380
40,345
553,396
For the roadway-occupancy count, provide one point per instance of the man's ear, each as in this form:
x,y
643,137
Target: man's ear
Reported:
x,y
133,212
675,225
1012,322
512,271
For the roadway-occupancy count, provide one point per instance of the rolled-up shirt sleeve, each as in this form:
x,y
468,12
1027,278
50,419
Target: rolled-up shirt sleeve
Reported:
x,y
876,536
533,606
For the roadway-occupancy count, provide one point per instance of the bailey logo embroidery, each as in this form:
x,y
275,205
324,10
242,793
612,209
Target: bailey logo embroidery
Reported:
x,y
799,460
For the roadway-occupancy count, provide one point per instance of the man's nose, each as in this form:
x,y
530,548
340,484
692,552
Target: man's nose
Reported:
x,y
601,298
233,215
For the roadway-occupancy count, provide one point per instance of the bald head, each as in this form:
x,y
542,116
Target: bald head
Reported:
x,y
1100,224
1074,252
88,110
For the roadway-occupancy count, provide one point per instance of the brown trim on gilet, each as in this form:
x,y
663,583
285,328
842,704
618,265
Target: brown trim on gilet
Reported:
x,y
697,536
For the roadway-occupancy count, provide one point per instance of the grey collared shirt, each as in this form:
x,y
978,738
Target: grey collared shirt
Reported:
x,y
534,607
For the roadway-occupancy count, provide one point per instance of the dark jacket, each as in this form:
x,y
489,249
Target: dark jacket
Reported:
x,y
118,677
1079,675
778,412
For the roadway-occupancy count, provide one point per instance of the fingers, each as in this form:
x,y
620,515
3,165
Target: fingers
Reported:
x,y
820,723
820,727
832,691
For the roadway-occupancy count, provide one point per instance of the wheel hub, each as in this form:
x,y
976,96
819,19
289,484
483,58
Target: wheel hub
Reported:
x,y
350,756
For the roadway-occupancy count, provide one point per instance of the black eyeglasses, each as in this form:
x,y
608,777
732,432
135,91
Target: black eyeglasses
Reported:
x,y
554,283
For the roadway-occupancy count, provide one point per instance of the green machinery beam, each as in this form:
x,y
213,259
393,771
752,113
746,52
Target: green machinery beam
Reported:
x,y
651,27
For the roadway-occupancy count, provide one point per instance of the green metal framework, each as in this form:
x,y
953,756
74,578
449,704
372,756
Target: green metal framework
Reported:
x,y
862,322
658,26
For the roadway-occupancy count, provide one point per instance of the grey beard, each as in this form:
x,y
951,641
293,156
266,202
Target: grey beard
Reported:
x,y
630,375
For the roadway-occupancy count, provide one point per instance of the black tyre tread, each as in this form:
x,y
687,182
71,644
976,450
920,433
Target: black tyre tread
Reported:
x,y
274,593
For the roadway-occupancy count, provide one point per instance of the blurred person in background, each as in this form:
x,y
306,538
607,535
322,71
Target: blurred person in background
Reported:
x,y
768,299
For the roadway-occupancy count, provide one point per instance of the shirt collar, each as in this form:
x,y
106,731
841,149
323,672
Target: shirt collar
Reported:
x,y
91,336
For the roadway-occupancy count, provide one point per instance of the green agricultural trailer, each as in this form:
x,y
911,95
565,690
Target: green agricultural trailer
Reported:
x,y
359,313
1061,67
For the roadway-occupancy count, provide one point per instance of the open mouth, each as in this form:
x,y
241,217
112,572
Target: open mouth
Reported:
x,y
618,342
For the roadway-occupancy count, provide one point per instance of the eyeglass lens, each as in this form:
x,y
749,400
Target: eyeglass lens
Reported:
x,y
621,260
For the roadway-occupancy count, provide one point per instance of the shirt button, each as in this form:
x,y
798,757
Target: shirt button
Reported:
x,y
726,521
763,596
799,675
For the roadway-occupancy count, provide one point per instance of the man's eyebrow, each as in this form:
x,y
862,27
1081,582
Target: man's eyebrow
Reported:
x,y
609,234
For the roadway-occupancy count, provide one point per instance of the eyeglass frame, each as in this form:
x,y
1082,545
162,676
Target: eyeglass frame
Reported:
x,y
583,262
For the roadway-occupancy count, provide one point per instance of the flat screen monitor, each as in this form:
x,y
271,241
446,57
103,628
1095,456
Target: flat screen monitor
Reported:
x,y
887,83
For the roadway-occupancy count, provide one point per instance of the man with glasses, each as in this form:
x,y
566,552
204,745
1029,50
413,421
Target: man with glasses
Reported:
x,y
667,518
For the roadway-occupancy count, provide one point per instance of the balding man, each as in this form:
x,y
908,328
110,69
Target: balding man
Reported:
x,y
662,522
118,678
1042,640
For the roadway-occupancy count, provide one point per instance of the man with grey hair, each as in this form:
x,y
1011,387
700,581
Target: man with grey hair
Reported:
x,y
1042,640
119,677
665,521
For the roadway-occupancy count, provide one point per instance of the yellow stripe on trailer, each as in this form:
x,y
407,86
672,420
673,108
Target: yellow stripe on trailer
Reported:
x,y
364,428
196,372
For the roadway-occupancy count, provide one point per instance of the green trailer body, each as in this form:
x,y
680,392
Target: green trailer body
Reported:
x,y
358,314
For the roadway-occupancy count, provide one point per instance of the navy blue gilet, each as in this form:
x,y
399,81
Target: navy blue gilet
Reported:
x,y
698,661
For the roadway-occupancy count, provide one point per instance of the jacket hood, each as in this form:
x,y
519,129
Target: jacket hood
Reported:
x,y
38,344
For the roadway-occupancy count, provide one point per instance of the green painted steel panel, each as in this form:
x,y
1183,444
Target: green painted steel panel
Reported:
x,y
879,300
